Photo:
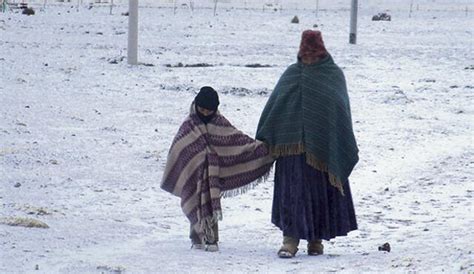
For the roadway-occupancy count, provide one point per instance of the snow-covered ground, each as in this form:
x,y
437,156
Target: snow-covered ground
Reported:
x,y
83,142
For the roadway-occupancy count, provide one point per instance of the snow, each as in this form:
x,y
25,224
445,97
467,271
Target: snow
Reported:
x,y
83,142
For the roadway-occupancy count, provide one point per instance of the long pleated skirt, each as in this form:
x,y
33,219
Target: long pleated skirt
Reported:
x,y
306,206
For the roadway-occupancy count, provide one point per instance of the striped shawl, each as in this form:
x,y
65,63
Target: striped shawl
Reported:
x,y
206,162
308,113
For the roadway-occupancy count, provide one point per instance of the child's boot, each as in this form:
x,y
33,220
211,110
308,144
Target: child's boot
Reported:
x,y
213,246
196,242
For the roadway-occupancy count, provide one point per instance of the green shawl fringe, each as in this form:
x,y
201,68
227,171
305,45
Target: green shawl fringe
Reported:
x,y
297,149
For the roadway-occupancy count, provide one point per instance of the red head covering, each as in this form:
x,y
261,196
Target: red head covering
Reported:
x,y
312,45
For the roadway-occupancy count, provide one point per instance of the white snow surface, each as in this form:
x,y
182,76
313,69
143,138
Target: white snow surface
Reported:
x,y
83,142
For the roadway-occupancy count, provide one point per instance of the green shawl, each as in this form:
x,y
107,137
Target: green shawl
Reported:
x,y
308,113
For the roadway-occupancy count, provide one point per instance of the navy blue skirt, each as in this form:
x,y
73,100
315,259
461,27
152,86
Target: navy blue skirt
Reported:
x,y
306,206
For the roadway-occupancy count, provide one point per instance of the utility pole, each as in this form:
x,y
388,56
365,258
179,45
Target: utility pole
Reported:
x,y
111,6
353,29
132,50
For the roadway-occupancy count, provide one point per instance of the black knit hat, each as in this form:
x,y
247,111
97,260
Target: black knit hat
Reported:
x,y
207,98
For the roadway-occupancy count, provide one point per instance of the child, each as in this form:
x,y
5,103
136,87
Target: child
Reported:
x,y
207,159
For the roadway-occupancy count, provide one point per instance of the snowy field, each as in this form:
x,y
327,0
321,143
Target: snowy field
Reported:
x,y
83,141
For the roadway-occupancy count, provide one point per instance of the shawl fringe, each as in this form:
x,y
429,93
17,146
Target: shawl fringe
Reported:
x,y
207,226
242,190
297,149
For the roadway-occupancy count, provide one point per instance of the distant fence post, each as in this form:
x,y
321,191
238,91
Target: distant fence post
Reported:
x,y
317,8
132,50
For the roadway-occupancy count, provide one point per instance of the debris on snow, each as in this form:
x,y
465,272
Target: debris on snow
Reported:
x,y
24,222
383,16
116,60
295,20
112,269
181,65
28,11
258,66
33,210
385,247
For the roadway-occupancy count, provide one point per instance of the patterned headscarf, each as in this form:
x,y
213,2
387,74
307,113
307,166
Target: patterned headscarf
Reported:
x,y
312,45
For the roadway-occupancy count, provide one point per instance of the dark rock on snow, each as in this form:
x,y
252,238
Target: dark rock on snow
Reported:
x,y
382,17
385,247
28,11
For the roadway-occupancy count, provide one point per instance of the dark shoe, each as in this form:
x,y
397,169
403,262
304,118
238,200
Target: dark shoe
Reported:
x,y
197,246
212,247
196,242
315,248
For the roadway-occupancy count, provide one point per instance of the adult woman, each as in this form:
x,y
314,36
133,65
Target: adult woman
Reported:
x,y
307,125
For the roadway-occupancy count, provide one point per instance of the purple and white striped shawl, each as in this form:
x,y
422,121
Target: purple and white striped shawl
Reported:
x,y
208,161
